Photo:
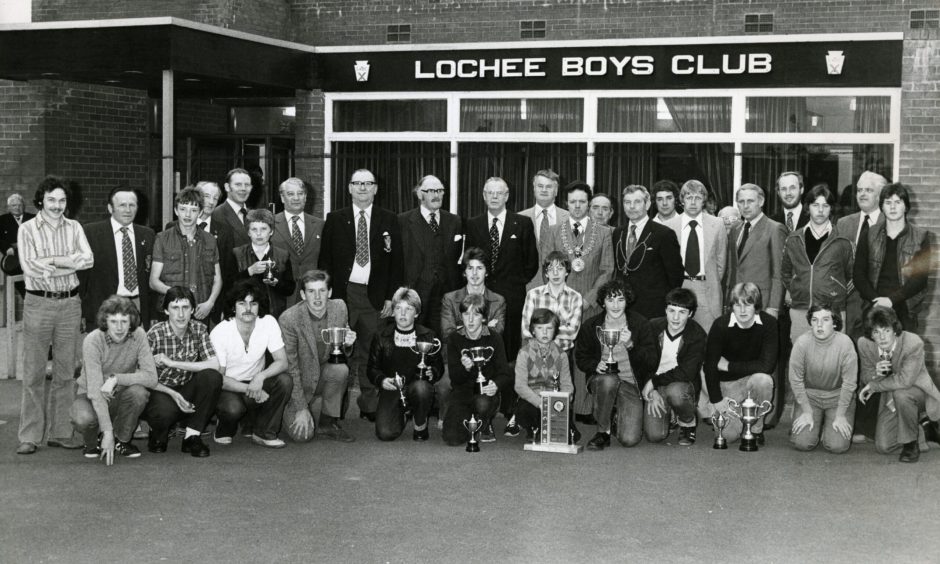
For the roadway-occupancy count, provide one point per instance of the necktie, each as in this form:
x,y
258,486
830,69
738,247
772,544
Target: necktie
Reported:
x,y
130,265
243,214
631,240
543,229
295,236
692,267
362,240
433,223
494,244
203,225
577,229
789,221
747,231
863,232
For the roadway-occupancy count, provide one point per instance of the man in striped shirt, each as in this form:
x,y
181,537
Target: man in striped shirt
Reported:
x,y
52,249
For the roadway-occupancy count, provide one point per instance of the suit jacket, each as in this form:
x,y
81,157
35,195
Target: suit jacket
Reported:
x,y
416,247
598,262
338,252
450,311
760,260
225,215
244,257
909,370
308,256
781,218
544,247
305,350
518,259
654,268
715,247
848,226
9,228
101,280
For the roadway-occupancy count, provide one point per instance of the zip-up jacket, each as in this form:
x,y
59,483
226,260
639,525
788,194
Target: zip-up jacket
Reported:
x,y
828,279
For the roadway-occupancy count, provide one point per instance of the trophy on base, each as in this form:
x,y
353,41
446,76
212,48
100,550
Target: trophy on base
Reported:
x,y
555,377
555,433
400,384
480,356
719,422
335,336
473,426
425,348
269,271
749,414
609,338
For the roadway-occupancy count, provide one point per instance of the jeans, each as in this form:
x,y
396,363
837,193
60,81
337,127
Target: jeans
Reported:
x,y
823,416
460,409
48,322
761,387
202,390
266,417
330,387
390,415
899,427
680,398
610,391
124,408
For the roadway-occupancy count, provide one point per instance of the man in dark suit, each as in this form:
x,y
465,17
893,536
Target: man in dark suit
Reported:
x,y
297,232
513,254
233,210
646,254
793,215
432,241
123,253
10,223
362,251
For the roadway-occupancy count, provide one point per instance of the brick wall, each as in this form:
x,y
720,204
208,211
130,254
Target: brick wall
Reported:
x,y
308,151
22,141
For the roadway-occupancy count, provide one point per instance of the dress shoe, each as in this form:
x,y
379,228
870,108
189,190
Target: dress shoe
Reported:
x,y
585,418
575,435
67,444
910,452
599,442
334,432
931,430
26,448
156,445
269,443
368,416
195,447
421,435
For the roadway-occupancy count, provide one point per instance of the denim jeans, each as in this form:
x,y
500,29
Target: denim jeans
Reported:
x,y
823,416
609,391
390,415
761,387
48,322
679,398
124,408
265,417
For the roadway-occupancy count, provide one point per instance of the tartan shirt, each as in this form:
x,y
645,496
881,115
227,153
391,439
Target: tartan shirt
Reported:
x,y
195,346
567,306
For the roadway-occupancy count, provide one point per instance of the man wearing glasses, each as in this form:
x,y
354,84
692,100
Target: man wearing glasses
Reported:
x,y
432,241
362,251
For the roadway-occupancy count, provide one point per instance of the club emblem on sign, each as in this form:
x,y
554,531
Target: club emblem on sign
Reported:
x,y
362,71
834,61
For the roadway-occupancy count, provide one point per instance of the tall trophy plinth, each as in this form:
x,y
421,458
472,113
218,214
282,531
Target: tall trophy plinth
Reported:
x,y
555,435
750,413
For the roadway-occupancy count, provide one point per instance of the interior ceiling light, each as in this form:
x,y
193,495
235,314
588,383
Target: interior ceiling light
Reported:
x,y
112,81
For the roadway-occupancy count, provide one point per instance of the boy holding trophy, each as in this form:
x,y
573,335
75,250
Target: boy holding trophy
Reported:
x,y
541,365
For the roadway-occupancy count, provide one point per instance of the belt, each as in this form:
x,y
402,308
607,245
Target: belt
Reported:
x,y
699,278
54,295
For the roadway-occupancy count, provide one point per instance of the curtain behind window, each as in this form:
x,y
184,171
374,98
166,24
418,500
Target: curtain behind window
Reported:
x,y
626,115
700,115
872,114
777,115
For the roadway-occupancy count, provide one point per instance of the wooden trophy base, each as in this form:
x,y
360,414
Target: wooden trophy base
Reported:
x,y
556,429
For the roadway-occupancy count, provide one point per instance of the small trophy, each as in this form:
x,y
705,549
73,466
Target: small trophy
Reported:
x,y
480,356
425,348
555,432
749,414
719,422
335,336
269,271
473,425
400,384
555,377
609,338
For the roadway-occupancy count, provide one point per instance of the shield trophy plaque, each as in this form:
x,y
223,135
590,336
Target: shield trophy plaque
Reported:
x,y
335,336
555,433
425,348
609,338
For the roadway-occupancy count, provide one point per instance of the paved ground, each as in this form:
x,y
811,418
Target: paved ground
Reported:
x,y
405,502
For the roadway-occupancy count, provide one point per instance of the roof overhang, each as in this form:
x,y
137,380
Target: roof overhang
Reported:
x,y
208,61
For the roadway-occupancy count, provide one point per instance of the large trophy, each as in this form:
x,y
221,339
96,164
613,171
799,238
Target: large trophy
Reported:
x,y
719,422
425,348
335,336
609,338
473,425
555,433
749,414
480,356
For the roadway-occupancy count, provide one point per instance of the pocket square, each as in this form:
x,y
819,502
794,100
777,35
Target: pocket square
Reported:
x,y
512,236
458,237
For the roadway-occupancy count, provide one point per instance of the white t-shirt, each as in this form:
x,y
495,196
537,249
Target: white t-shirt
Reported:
x,y
240,363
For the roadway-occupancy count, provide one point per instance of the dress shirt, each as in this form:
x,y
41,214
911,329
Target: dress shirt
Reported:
x,y
684,239
288,217
426,214
582,225
500,222
360,274
753,223
639,226
872,220
552,218
237,207
119,248
797,211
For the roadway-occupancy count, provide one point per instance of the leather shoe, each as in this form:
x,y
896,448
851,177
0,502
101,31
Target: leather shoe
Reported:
x,y
26,448
931,430
64,443
421,435
334,432
155,445
368,416
585,418
910,452
599,442
195,447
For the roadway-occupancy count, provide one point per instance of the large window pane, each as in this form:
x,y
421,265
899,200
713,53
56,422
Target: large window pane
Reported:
x,y
516,163
649,115
256,120
397,167
390,115
839,166
525,114
819,114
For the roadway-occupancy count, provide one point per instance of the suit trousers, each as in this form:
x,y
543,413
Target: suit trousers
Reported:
x,y
265,417
202,390
124,408
899,427
331,387
460,409
364,320
390,414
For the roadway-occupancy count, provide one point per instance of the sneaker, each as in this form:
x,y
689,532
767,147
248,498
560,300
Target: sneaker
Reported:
x,y
127,450
195,447
512,428
421,435
91,451
686,436
487,435
600,441
269,443
223,440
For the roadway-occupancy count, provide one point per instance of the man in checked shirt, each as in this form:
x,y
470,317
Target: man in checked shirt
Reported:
x,y
186,362
52,249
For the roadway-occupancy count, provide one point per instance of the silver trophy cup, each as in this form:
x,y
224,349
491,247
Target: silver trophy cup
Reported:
x,y
480,356
335,337
425,348
750,412
609,338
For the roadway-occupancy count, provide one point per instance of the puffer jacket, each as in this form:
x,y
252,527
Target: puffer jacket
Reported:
x,y
828,279
913,265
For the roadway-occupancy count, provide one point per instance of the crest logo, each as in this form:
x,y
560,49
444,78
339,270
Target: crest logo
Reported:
x,y
362,71
834,62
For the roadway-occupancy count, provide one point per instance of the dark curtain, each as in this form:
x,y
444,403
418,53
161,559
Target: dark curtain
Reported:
x,y
700,115
777,115
872,114
714,161
543,115
390,115
761,163
618,165
397,167
626,115
516,163
876,158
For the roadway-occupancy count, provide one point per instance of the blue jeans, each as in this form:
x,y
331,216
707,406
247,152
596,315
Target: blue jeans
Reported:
x,y
609,390
48,322
680,398
125,409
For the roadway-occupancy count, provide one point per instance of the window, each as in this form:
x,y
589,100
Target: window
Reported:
x,y
651,115
263,120
532,29
390,115
758,23
819,114
545,115
398,33
925,19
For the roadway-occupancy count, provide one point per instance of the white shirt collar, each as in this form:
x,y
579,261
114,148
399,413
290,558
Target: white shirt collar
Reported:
x,y
288,216
583,222
796,213
357,209
686,219
754,221
826,231
116,227
873,217
501,218
734,320
235,206
552,210
426,214
639,224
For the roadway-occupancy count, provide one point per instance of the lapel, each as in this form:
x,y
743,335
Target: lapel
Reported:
x,y
309,337
708,231
111,254
280,227
511,228
310,232
752,237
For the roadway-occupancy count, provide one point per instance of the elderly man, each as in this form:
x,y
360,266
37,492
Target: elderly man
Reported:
x,y
52,249
233,210
432,240
544,215
646,254
362,251
10,223
296,231
602,210
666,195
729,216
123,254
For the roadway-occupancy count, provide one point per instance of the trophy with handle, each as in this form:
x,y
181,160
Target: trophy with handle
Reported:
x,y
269,271
400,385
719,422
425,348
609,338
473,426
335,336
480,356
749,413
